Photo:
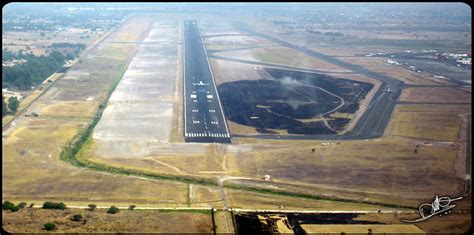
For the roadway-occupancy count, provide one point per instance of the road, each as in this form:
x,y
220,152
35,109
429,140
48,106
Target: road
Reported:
x,y
377,115
204,119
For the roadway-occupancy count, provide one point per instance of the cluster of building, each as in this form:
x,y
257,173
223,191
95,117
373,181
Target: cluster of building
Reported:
x,y
392,62
440,77
7,94
376,54
461,58
13,62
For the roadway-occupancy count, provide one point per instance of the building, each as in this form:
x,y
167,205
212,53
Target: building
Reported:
x,y
7,94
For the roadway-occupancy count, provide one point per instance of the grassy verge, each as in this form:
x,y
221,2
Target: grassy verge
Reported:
x,y
199,211
315,197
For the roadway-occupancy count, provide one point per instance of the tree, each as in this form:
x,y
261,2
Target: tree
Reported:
x,y
113,210
76,217
4,107
54,205
22,205
92,207
6,205
49,226
13,104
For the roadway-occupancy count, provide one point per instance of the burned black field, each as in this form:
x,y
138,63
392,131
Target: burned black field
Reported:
x,y
290,100
249,223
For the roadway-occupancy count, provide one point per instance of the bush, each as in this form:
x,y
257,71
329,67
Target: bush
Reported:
x,y
76,217
49,226
131,207
22,205
92,207
6,205
54,205
113,210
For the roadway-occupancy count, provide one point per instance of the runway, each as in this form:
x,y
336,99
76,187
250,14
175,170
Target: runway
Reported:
x,y
204,120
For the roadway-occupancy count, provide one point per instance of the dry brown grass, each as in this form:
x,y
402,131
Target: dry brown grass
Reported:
x,y
396,72
436,95
32,220
453,223
287,56
361,228
224,222
252,200
19,40
81,109
437,126
363,166
351,51
32,170
437,122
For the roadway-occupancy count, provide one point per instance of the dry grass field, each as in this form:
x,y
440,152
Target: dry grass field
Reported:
x,y
435,95
32,220
31,167
251,200
396,72
409,121
361,228
286,56
15,41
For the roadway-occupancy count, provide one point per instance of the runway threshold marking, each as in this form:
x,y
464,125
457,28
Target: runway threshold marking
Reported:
x,y
204,130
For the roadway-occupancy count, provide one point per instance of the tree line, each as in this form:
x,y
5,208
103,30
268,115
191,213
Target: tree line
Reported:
x,y
33,72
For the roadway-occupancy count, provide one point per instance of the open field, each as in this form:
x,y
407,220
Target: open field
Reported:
x,y
398,170
287,56
31,96
430,125
252,200
32,170
361,228
156,221
32,41
397,72
436,95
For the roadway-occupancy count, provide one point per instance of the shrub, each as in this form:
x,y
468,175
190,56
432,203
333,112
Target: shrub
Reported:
x,y
14,209
92,207
131,207
54,205
49,226
6,205
22,205
76,217
113,210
